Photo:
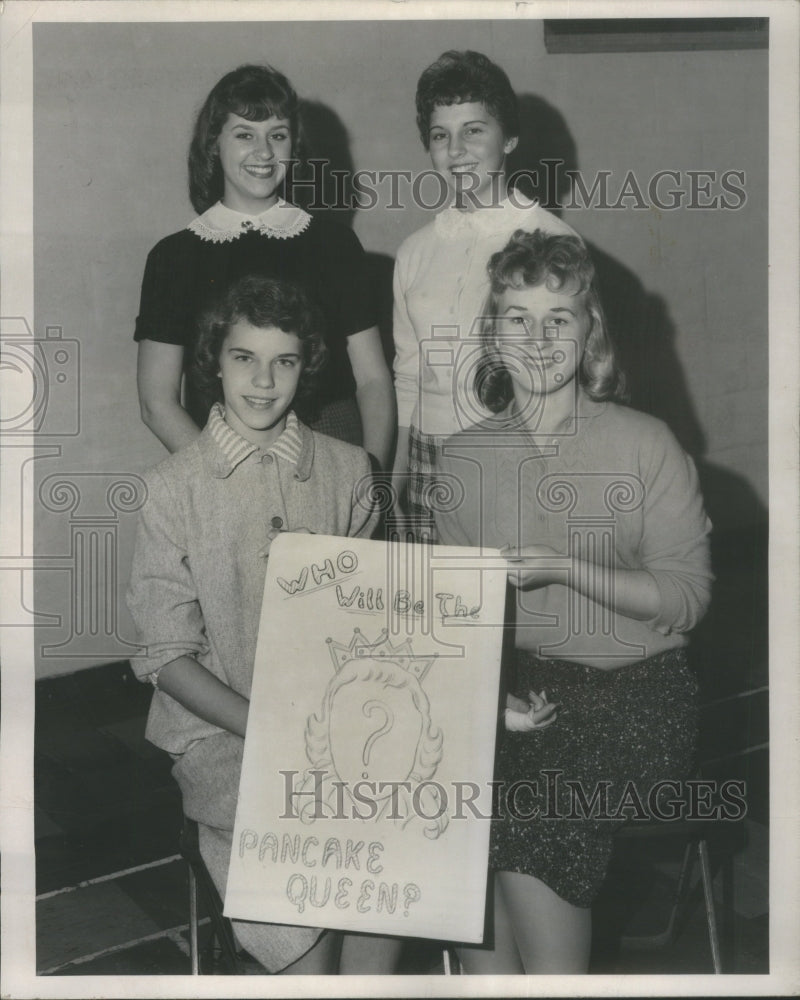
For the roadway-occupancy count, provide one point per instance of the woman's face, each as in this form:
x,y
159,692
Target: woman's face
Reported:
x,y
468,148
541,336
260,368
253,156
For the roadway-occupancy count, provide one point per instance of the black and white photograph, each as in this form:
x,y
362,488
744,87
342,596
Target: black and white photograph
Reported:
x,y
485,316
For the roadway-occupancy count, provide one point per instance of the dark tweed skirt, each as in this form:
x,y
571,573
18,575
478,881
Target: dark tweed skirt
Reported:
x,y
618,731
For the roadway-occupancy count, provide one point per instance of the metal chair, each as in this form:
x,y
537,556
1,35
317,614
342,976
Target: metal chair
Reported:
x,y
696,835
450,962
222,939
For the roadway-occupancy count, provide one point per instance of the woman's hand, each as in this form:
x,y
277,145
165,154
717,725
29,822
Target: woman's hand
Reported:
x,y
630,592
522,718
534,566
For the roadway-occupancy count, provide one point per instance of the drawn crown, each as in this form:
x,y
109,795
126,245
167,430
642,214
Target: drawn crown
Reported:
x,y
382,648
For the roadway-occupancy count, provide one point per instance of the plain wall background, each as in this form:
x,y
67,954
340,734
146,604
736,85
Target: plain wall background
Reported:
x,y
113,108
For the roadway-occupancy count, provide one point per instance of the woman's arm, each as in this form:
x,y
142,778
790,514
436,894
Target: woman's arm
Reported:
x,y
163,601
406,372
158,376
374,393
629,592
203,694
672,587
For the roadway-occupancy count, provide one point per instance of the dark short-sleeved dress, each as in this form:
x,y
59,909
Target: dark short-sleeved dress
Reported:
x,y
185,270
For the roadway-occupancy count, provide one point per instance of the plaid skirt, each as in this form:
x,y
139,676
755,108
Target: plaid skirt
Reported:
x,y
423,450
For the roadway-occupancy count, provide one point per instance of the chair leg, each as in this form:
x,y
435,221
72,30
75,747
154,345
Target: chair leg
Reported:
x,y
193,947
200,879
220,924
452,967
665,937
711,915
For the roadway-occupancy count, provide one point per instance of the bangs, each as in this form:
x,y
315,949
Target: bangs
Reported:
x,y
565,276
260,108
455,94
568,282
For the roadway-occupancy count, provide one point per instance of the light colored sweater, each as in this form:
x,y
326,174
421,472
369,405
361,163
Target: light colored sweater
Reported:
x,y
440,289
615,488
199,565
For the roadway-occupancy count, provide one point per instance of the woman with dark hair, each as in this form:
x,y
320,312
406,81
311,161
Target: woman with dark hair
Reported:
x,y
599,513
468,121
245,140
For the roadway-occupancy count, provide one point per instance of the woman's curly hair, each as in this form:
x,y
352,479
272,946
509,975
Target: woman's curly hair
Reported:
x,y
263,302
462,77
528,260
252,92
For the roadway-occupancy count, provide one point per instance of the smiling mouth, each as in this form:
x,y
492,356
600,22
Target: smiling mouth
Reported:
x,y
261,172
464,168
257,403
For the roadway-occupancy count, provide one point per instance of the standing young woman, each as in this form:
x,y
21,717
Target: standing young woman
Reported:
x,y
468,121
244,139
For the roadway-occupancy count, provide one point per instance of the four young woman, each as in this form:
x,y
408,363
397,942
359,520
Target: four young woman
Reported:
x,y
596,507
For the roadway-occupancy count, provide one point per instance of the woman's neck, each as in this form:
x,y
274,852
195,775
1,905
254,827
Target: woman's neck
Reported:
x,y
252,208
474,201
549,412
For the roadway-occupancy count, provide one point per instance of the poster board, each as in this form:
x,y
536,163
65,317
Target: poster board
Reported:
x,y
365,795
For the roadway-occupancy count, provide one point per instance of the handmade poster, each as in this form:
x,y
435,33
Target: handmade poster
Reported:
x,y
365,794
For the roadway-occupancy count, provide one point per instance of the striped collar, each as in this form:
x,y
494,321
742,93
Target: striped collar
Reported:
x,y
235,449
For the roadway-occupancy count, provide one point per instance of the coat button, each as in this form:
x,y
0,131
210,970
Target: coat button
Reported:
x,y
277,522
266,459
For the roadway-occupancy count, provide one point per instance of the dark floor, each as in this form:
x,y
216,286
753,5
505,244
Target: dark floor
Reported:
x,y
112,892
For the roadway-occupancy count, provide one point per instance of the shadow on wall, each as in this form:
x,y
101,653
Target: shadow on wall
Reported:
x,y
730,647
639,321
326,189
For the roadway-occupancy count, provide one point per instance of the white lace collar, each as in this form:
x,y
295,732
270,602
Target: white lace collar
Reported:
x,y
451,224
220,224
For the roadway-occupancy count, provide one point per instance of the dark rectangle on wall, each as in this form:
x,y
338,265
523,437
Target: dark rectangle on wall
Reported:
x,y
583,35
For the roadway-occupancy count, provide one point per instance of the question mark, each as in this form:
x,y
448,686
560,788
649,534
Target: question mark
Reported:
x,y
369,708
412,894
